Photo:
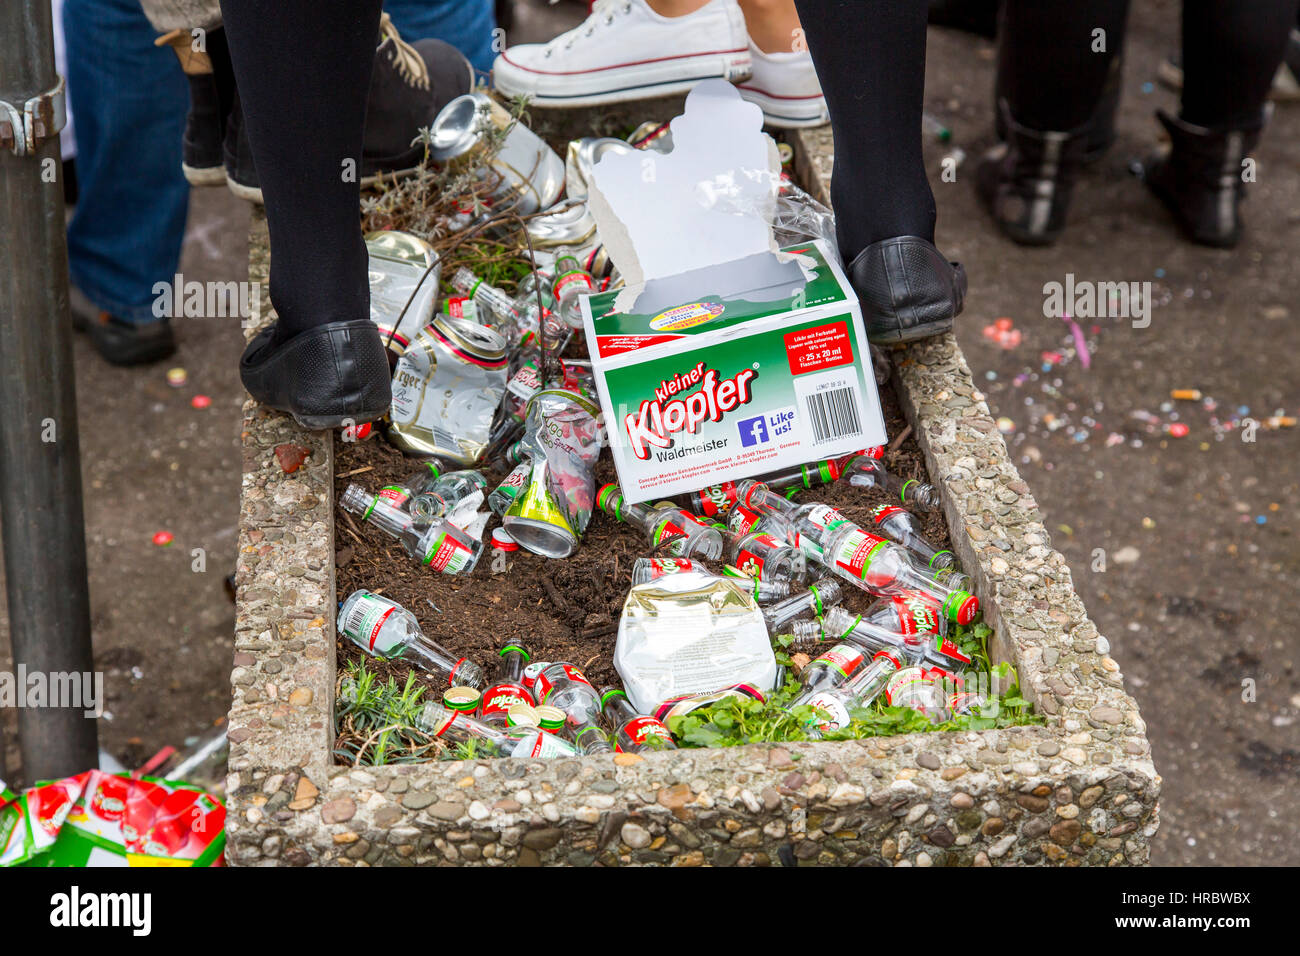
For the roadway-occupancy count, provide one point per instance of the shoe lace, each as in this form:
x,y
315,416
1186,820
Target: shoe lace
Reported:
x,y
407,60
603,13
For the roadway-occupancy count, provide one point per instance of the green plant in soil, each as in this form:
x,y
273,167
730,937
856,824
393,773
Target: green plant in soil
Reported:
x,y
374,719
735,721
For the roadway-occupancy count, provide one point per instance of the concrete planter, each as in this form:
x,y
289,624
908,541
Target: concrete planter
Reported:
x,y
1080,790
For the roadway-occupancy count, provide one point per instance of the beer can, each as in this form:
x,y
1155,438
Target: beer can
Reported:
x,y
525,175
446,389
402,295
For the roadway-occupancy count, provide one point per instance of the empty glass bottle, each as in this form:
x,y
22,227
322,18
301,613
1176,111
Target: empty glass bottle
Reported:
x,y
819,597
385,629
444,494
867,472
633,732
458,728
441,545
565,686
695,539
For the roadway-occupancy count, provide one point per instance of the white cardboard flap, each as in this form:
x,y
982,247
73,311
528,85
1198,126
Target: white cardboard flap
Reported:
x,y
710,202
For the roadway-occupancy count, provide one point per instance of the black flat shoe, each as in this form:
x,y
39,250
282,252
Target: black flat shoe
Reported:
x,y
327,377
908,290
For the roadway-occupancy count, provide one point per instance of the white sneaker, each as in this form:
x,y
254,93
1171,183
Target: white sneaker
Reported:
x,y
626,51
785,87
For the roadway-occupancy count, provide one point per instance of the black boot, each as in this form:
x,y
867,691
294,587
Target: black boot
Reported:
x,y
907,289
410,86
1200,179
326,377
206,119
1100,128
1026,182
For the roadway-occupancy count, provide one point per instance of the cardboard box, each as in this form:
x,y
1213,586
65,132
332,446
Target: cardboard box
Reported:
x,y
714,390
722,357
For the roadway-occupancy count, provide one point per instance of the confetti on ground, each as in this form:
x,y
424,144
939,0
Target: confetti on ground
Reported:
x,y
162,538
201,401
176,377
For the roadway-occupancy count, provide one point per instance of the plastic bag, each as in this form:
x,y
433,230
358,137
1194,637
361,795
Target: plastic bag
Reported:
x,y
689,633
562,442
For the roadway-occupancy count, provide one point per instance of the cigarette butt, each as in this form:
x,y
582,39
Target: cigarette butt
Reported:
x,y
1186,394
1279,421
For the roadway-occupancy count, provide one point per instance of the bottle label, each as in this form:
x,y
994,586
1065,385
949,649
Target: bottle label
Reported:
x,y
843,658
543,686
716,499
448,555
750,558
855,552
525,382
742,519
574,277
916,613
531,672
548,745
642,729
364,622
394,493
501,697
460,307
833,706
882,513
661,566
908,688
825,518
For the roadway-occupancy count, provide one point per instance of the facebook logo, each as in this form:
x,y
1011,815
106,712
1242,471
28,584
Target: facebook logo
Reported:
x,y
753,431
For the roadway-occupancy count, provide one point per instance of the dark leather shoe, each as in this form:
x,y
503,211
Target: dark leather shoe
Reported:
x,y
118,341
908,290
327,377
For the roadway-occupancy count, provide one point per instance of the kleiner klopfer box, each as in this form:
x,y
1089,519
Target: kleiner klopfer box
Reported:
x,y
712,389
722,357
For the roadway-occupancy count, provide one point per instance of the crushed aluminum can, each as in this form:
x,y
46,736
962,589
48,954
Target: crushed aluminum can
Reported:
x,y
582,155
531,175
652,135
446,389
403,268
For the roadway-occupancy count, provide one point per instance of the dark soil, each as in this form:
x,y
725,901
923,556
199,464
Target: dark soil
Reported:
x,y
560,610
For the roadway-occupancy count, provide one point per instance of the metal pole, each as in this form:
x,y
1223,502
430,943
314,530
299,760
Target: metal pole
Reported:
x,y
40,457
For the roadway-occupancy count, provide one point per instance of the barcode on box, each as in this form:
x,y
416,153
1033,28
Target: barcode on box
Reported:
x,y
831,403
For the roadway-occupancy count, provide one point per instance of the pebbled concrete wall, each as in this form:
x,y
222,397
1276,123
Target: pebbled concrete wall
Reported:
x,y
1081,790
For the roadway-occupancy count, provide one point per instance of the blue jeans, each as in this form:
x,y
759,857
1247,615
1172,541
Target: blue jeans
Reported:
x,y
465,24
130,100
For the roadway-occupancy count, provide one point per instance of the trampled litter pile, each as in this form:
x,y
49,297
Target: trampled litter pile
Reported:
x,y
493,387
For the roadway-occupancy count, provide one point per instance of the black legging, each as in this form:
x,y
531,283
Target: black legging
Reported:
x,y
1052,78
303,71
870,58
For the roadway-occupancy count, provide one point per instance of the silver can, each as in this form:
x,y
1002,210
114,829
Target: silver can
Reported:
x,y
446,389
528,174
397,267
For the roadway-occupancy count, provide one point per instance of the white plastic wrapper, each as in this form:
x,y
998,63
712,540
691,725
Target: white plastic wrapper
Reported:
x,y
689,633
